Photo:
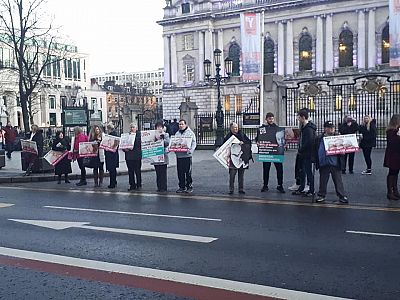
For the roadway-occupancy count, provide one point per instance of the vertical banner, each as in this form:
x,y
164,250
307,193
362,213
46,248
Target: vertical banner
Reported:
x,y
394,32
251,46
271,144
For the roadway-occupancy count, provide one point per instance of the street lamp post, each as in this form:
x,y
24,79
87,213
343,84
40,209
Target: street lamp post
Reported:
x,y
219,117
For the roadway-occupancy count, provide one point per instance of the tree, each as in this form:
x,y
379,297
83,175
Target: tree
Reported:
x,y
29,34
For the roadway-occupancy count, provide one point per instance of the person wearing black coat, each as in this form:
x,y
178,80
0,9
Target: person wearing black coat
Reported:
x,y
112,159
62,144
36,135
368,141
234,131
349,126
133,160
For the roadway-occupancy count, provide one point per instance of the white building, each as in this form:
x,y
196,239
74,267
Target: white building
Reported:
x,y
324,39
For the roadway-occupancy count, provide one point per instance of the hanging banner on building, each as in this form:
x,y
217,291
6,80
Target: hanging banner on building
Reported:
x,y
341,144
394,32
271,144
152,146
250,33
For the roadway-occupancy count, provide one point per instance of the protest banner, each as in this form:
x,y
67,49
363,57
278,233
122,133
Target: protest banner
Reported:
x,y
29,146
109,143
179,144
292,135
127,141
54,157
223,154
271,144
152,146
88,149
341,144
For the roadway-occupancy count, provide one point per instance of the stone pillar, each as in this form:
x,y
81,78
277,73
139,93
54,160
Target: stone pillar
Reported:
x,y
319,62
167,61
174,61
361,40
328,44
281,49
289,48
201,56
188,110
221,47
209,51
371,40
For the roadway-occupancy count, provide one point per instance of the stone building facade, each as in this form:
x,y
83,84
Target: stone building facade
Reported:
x,y
331,40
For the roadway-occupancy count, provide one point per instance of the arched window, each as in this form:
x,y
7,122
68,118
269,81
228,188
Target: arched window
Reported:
x,y
234,54
346,48
305,53
385,45
269,56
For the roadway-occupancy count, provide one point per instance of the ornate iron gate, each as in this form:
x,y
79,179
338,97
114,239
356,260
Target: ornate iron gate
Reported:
x,y
376,96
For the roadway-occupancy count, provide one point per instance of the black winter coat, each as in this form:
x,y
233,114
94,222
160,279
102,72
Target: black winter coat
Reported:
x,y
345,129
112,158
315,157
38,138
64,166
136,152
246,147
368,136
307,140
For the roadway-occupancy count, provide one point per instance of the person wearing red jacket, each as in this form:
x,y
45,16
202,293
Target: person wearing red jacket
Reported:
x,y
10,134
80,137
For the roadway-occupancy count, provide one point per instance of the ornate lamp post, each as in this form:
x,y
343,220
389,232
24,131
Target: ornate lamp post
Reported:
x,y
219,117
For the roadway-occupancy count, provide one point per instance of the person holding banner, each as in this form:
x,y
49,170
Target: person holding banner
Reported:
x,y
161,167
112,159
36,135
233,165
184,159
97,162
63,167
392,157
270,129
79,137
133,158
328,165
349,126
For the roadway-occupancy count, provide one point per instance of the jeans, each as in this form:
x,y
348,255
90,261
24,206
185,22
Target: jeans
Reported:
x,y
161,176
134,170
232,175
367,157
324,173
306,172
279,172
184,168
82,168
351,161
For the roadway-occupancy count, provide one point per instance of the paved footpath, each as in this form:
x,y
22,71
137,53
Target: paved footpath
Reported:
x,y
210,178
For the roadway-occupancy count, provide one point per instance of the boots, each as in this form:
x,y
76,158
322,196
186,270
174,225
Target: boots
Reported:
x,y
395,187
96,180
101,176
392,191
66,179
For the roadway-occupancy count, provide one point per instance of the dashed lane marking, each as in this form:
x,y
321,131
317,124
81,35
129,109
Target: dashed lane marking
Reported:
x,y
5,205
253,200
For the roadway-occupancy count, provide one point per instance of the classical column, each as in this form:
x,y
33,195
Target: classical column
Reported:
x,y
361,40
319,61
281,49
328,44
371,40
289,48
209,51
174,61
201,56
167,62
221,47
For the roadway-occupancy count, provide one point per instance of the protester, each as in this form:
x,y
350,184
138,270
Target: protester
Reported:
x,y
392,157
161,167
268,126
63,167
306,143
349,126
184,159
97,162
80,137
368,141
112,159
233,167
328,165
36,135
174,127
133,160
297,176
10,134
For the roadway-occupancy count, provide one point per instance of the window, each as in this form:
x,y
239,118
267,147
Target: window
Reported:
x,y
234,54
346,48
56,67
227,103
305,53
47,68
269,56
238,103
188,42
189,73
52,102
52,119
385,45
185,8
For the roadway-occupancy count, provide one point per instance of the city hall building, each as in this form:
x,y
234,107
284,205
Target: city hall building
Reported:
x,y
331,56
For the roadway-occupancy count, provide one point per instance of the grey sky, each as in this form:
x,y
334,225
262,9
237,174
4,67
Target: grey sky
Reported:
x,y
119,35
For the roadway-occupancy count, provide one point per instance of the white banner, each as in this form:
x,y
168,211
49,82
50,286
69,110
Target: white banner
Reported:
x,y
152,146
250,33
223,154
127,141
109,143
180,143
340,144
394,32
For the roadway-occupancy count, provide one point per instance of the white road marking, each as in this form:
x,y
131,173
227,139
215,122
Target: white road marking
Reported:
x,y
131,213
60,225
373,233
5,205
229,285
